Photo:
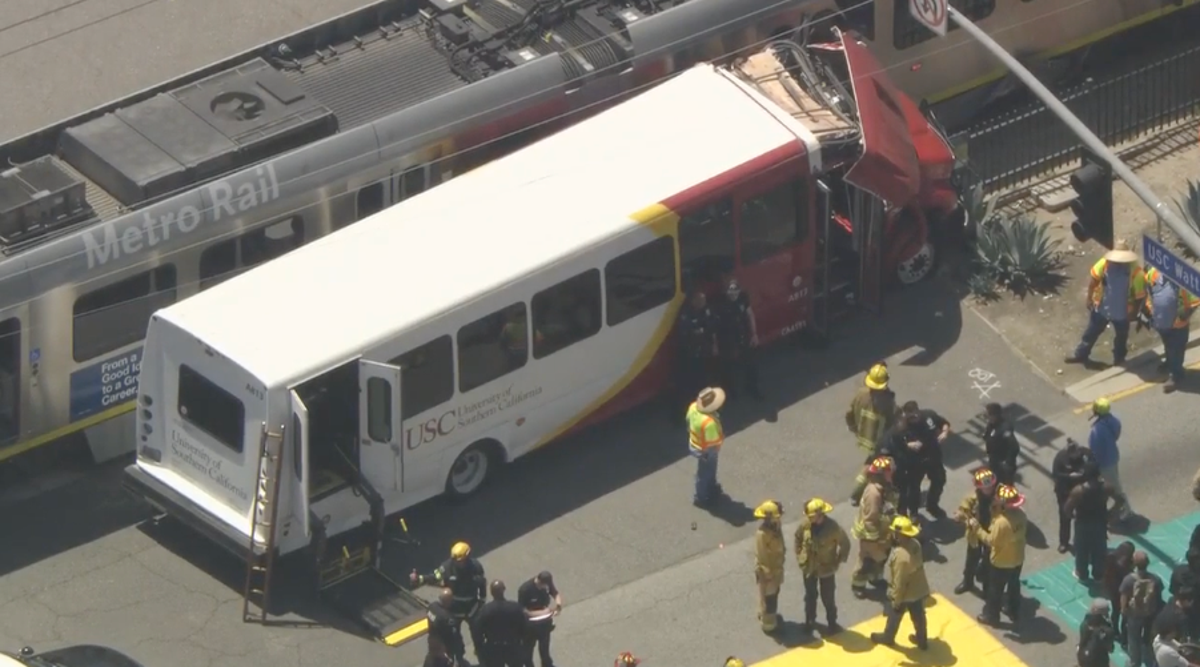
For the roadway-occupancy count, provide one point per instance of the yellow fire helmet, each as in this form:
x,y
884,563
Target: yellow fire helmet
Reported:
x,y
1010,496
1101,406
460,550
817,506
877,377
734,662
984,478
905,526
882,464
770,509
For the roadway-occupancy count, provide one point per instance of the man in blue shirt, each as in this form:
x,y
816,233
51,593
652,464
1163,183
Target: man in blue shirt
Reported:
x,y
1102,441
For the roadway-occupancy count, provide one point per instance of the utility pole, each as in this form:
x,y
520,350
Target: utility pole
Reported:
x,y
1165,214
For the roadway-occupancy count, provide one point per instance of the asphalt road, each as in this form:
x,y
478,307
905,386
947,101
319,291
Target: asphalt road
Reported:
x,y
608,512
61,57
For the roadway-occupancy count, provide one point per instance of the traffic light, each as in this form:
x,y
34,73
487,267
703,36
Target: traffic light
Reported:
x,y
1093,205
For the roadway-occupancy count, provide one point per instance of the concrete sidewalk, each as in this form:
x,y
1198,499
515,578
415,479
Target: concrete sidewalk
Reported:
x,y
1137,375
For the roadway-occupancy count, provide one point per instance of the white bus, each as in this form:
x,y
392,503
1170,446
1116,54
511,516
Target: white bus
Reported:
x,y
413,353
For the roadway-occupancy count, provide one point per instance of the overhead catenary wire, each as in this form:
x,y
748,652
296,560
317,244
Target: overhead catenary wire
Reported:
x,y
666,48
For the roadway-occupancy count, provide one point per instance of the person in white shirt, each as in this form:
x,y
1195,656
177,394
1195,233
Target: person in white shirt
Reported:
x,y
1166,643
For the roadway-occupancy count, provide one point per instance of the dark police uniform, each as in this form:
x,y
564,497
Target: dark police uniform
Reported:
x,y
928,461
466,580
531,597
1002,448
697,335
504,629
894,443
444,628
736,355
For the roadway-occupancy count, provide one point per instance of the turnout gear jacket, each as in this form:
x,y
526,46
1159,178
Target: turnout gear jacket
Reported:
x,y
871,414
972,508
906,567
1006,538
464,578
872,522
769,553
821,549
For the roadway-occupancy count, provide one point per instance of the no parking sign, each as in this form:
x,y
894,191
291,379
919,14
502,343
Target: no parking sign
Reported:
x,y
931,13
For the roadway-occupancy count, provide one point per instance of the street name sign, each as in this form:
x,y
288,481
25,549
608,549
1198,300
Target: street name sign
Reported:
x,y
1172,267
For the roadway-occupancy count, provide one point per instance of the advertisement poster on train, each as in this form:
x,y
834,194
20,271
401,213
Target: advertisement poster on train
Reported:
x,y
105,385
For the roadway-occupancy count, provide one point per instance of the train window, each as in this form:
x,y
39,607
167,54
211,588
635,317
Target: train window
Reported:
x,y
412,183
706,244
640,280
369,200
427,379
858,16
211,409
771,223
379,409
907,31
566,313
226,259
298,446
116,315
492,346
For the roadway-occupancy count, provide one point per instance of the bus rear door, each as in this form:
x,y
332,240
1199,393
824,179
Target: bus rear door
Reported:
x,y
776,250
298,431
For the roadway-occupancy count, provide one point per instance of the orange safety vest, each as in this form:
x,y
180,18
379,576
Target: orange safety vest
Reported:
x,y
704,431
1187,301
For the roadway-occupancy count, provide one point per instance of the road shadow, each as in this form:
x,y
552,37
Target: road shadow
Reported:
x,y
791,634
87,509
1035,538
1033,628
939,653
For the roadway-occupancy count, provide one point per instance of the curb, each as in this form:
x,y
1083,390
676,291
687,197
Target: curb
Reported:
x,y
1118,381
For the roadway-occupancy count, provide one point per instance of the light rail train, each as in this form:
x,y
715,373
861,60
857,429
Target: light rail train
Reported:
x,y
130,207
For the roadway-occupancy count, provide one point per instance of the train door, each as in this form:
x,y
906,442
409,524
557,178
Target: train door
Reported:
x,y
776,251
380,452
10,375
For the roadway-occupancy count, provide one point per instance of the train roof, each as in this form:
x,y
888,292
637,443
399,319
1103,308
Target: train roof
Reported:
x,y
488,228
372,84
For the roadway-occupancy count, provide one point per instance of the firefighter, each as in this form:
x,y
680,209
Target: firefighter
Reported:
x,y
976,506
870,528
698,346
769,552
705,437
908,586
503,626
1115,294
737,340
1005,540
1000,444
872,413
821,547
463,576
929,430
1169,308
445,635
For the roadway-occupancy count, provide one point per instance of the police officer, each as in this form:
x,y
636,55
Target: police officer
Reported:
x,y
698,347
445,637
737,340
503,627
769,553
1115,294
977,506
930,430
463,576
1000,444
1169,308
873,412
1067,471
437,655
871,526
542,602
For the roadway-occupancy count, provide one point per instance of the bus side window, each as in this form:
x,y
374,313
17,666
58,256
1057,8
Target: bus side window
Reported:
x,y
427,376
772,223
859,16
369,200
566,313
706,244
116,315
492,346
640,280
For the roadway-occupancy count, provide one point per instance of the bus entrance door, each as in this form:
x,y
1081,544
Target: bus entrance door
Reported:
x,y
381,454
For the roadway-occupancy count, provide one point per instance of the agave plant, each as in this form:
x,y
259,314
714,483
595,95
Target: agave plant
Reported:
x,y
977,208
1189,208
1019,253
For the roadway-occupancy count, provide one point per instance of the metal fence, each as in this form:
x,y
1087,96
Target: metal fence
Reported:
x,y
1017,147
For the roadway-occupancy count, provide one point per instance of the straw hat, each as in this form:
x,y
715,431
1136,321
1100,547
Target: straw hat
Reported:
x,y
1121,254
710,400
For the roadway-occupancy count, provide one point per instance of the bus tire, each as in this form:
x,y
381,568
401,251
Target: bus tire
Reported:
x,y
472,469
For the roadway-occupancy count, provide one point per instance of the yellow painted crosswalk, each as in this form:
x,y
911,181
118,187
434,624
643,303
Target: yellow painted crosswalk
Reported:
x,y
955,638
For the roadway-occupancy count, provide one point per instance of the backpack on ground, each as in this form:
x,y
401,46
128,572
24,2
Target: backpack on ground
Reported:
x,y
1096,646
1143,599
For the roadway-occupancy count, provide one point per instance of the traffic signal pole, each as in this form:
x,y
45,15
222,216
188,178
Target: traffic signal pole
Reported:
x,y
1165,214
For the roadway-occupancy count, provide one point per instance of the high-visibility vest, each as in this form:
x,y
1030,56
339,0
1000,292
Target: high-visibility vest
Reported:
x,y
1137,286
1187,301
704,431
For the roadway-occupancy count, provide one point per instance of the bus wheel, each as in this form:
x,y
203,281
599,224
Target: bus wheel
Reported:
x,y
918,267
470,470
